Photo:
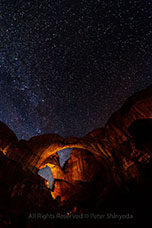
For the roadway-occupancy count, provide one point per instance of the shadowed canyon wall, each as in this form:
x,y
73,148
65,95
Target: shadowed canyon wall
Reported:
x,y
107,164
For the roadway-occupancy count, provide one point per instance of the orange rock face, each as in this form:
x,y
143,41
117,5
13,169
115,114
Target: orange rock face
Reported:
x,y
138,106
80,169
105,164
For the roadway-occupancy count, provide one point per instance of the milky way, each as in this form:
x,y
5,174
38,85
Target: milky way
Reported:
x,y
66,66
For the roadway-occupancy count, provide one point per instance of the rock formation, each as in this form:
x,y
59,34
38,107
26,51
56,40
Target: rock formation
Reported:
x,y
106,167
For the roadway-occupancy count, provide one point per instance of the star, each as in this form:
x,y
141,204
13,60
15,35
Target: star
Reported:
x,y
65,67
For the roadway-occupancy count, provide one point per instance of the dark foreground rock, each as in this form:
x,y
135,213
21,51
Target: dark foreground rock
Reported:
x,y
107,180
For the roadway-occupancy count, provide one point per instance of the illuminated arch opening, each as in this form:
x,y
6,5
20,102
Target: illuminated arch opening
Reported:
x,y
46,172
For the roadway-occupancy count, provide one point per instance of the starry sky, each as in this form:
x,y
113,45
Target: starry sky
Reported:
x,y
66,66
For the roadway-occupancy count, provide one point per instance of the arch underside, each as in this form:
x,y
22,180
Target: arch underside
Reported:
x,y
97,149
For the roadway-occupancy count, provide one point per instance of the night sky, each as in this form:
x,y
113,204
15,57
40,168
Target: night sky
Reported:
x,y
66,66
